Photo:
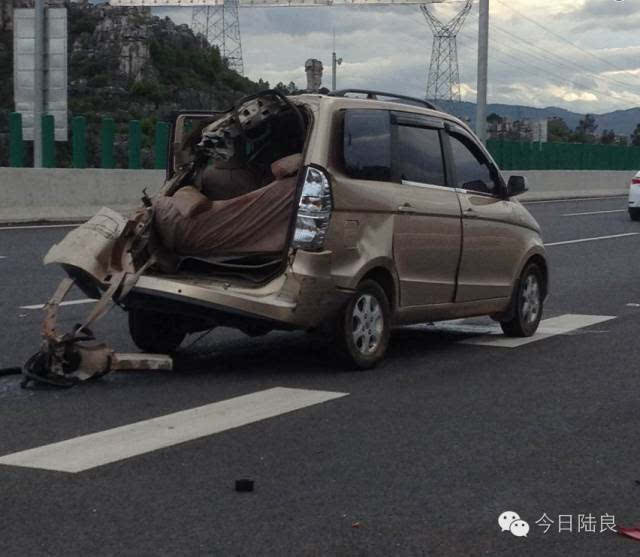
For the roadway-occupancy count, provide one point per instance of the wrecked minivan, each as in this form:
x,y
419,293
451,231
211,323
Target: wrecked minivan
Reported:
x,y
311,212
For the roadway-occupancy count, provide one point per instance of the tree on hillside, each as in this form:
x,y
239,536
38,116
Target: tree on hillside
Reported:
x,y
558,130
494,118
608,137
635,137
586,130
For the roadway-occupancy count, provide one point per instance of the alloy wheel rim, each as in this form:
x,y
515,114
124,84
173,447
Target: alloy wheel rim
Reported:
x,y
367,324
530,305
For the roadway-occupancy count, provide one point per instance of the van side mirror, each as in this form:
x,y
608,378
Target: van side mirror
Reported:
x,y
516,185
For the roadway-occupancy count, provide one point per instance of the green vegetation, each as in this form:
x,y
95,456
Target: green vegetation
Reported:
x,y
181,72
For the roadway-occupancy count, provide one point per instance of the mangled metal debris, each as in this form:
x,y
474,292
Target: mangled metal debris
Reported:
x,y
65,359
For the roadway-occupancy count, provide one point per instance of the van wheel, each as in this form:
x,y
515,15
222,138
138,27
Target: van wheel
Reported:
x,y
634,213
364,326
528,302
157,333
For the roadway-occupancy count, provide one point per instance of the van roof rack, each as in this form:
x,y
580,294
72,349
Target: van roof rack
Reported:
x,y
375,94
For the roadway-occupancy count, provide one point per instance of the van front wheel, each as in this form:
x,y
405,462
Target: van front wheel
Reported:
x,y
528,302
364,326
154,332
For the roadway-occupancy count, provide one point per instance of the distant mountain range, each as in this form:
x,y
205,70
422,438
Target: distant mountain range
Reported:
x,y
622,122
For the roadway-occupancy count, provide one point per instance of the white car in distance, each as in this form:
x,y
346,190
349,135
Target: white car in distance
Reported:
x,y
634,197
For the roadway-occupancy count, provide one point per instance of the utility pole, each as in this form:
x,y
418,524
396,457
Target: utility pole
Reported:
x,y
335,62
483,55
38,81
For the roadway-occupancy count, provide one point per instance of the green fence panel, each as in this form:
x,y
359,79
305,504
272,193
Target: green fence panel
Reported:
x,y
535,156
48,141
509,155
79,142
621,157
135,143
515,155
107,136
608,160
583,154
597,156
547,153
161,147
634,158
16,144
530,150
594,156
525,156
566,160
604,157
500,151
491,147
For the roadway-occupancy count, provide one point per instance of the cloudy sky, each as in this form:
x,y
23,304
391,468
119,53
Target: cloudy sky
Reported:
x,y
582,55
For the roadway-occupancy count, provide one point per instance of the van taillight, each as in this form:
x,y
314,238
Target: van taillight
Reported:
x,y
635,181
314,211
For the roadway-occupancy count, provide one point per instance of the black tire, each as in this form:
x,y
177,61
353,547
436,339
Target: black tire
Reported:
x,y
156,333
529,301
364,326
634,213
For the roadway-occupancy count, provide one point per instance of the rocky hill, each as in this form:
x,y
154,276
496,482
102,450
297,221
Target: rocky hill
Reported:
x,y
127,64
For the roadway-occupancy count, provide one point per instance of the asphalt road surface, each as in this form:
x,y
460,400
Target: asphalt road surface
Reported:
x,y
418,457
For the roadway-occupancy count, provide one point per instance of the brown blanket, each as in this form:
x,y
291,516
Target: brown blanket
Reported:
x,y
190,224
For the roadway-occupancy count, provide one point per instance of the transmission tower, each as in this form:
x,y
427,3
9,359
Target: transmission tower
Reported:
x,y
220,25
443,82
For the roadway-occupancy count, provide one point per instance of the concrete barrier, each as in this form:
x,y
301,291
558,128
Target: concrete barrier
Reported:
x,y
568,184
61,194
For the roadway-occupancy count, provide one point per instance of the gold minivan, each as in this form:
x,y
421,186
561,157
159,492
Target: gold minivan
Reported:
x,y
351,212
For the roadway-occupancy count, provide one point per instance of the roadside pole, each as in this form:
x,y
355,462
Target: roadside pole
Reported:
x,y
335,62
483,56
38,82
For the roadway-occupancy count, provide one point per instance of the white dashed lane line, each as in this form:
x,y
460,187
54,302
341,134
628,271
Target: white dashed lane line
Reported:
x,y
581,240
594,213
96,449
37,227
69,303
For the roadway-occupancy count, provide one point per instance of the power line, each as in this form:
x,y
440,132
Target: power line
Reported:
x,y
562,38
565,62
544,72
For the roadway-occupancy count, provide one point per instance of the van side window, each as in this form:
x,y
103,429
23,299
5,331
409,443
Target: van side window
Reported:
x,y
367,144
472,168
418,155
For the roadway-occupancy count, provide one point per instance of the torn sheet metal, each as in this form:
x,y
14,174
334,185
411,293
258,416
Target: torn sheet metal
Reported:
x,y
89,246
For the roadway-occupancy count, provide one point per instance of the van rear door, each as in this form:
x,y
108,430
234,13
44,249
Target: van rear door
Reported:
x,y
185,133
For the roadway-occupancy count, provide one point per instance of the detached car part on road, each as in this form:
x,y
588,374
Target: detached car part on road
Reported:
x,y
318,212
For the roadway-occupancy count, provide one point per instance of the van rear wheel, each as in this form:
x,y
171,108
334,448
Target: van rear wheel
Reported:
x,y
154,332
364,326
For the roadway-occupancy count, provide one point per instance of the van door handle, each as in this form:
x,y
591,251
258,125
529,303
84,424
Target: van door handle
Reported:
x,y
406,207
470,213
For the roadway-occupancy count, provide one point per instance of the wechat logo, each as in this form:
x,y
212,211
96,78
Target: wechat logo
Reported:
x,y
511,522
